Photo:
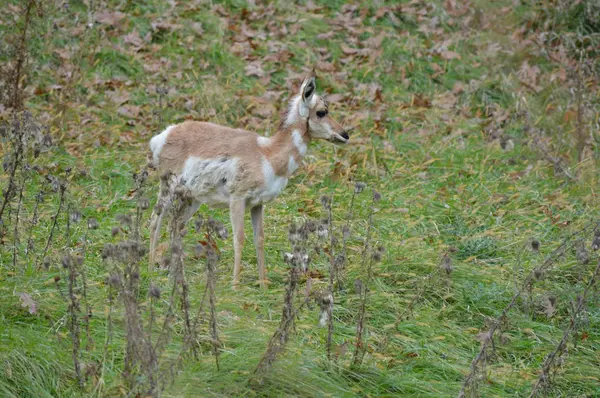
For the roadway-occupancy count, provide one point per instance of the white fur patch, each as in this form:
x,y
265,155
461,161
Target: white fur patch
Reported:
x,y
293,110
292,165
299,142
210,179
158,142
303,110
263,141
273,183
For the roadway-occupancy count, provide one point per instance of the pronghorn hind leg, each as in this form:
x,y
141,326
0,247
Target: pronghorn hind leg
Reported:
x,y
155,226
257,213
236,209
164,196
190,211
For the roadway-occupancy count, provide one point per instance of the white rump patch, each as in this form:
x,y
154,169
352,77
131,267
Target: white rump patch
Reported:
x,y
299,142
273,183
263,141
158,142
292,165
210,179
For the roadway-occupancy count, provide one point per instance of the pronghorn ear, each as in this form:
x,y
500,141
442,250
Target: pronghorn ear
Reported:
x,y
307,91
309,85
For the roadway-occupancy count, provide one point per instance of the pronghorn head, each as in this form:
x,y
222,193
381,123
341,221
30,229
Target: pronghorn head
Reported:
x,y
312,109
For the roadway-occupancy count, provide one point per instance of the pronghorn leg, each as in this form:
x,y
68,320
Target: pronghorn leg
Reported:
x,y
190,211
155,227
257,213
236,209
164,195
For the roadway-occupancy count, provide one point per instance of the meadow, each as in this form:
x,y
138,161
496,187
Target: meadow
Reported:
x,y
449,249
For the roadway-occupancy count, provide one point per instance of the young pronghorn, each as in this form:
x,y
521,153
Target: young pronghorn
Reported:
x,y
240,169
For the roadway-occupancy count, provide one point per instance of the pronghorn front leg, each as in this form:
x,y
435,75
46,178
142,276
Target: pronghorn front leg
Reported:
x,y
257,214
236,209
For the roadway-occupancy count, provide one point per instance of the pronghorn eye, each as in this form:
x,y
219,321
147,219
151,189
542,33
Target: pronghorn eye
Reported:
x,y
322,113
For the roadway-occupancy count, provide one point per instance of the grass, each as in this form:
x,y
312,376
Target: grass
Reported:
x,y
444,185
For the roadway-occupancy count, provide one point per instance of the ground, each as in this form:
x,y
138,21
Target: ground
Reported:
x,y
448,101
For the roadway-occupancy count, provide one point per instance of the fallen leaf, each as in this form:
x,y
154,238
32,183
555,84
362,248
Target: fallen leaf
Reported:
x,y
118,97
325,66
335,98
419,101
131,111
264,110
449,55
445,101
348,50
254,69
109,17
528,75
134,39
326,36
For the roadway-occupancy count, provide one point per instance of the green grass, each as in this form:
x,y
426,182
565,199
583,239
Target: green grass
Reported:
x,y
443,186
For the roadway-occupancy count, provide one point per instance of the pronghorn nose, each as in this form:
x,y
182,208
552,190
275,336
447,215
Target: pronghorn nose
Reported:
x,y
345,135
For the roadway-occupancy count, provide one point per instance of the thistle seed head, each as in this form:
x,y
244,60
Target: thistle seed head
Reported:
x,y
93,223
359,187
75,216
326,202
124,219
143,203
376,196
154,291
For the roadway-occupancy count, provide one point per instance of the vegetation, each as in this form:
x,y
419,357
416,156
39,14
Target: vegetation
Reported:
x,y
451,249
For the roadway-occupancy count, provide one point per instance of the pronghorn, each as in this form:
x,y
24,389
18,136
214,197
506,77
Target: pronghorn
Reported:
x,y
239,169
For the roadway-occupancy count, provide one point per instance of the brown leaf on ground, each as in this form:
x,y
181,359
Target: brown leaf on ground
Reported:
x,y
335,98
445,101
118,97
348,50
131,111
372,91
325,66
375,42
449,55
326,36
264,110
281,56
109,17
529,75
198,28
419,101
133,38
254,69
458,88
165,26
64,53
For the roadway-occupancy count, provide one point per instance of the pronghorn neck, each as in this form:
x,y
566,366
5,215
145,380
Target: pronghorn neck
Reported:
x,y
287,147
